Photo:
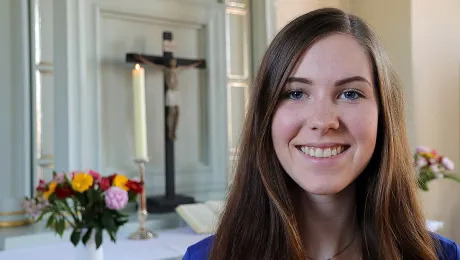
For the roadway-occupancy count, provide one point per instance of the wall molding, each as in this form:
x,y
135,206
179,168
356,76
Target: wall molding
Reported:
x,y
81,23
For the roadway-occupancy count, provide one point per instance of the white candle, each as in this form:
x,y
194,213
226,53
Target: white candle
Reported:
x,y
140,125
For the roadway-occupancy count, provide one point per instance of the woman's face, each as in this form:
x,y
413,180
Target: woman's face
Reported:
x,y
324,129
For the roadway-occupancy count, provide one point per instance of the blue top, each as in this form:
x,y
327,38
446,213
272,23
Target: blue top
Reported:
x,y
200,250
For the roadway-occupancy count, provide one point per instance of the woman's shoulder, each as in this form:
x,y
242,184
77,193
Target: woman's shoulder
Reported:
x,y
449,249
199,250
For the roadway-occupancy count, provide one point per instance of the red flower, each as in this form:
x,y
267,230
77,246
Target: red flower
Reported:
x,y
63,191
42,186
440,159
72,174
96,176
134,186
111,177
104,183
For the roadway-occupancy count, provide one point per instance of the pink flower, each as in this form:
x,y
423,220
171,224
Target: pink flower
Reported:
x,y
34,207
116,198
72,174
423,149
447,163
59,178
421,162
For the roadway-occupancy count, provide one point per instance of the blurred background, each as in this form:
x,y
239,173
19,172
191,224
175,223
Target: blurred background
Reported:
x,y
66,99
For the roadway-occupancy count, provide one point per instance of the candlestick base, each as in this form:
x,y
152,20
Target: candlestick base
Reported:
x,y
163,204
142,232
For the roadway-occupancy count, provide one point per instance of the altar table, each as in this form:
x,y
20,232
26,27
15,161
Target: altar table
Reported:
x,y
168,245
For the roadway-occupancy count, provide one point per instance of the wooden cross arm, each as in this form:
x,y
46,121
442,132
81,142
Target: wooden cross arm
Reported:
x,y
200,64
133,58
159,60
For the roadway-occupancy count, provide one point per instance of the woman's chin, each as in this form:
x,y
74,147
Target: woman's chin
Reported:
x,y
323,191
324,188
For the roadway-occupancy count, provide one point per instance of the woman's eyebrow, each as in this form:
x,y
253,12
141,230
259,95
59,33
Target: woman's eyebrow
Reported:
x,y
337,83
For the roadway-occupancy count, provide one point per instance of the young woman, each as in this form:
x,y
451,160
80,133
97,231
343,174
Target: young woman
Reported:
x,y
325,168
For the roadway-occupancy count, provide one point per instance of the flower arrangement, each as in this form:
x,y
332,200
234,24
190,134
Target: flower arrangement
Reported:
x,y
430,166
85,201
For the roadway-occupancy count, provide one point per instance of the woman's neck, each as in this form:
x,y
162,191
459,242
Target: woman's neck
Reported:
x,y
330,225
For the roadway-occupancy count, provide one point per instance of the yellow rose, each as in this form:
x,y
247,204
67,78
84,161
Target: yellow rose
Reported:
x,y
120,181
51,188
82,181
429,155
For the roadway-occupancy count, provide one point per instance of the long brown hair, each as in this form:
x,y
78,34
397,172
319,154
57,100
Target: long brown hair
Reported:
x,y
260,219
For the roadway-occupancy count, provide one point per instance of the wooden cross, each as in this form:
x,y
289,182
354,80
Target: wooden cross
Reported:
x,y
169,64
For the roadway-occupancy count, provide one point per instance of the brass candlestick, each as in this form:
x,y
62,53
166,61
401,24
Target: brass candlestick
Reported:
x,y
142,233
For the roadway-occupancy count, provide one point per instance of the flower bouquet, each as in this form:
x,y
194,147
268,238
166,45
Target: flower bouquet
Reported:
x,y
84,201
430,166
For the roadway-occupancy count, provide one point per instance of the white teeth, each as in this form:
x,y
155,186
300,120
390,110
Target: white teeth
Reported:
x,y
322,152
334,151
319,153
327,152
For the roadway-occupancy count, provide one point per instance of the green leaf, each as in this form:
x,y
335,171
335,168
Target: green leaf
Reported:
x,y
98,195
60,226
75,205
98,237
50,221
82,198
132,196
52,197
423,186
89,194
87,236
75,236
67,178
42,215
108,221
121,220
452,177
112,234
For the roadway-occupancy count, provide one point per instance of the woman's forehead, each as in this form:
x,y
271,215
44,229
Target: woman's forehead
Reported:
x,y
334,57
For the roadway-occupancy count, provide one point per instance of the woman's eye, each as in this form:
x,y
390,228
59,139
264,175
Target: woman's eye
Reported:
x,y
351,95
295,94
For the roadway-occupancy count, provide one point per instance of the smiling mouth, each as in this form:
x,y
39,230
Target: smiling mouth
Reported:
x,y
324,152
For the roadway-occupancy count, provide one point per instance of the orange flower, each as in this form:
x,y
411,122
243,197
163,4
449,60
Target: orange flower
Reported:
x,y
428,155
51,188
82,181
120,181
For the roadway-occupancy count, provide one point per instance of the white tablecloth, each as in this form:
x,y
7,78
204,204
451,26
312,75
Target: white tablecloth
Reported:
x,y
170,244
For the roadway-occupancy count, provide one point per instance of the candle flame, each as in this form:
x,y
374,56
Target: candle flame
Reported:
x,y
137,67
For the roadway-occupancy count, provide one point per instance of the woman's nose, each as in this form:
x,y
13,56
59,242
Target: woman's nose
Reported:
x,y
323,116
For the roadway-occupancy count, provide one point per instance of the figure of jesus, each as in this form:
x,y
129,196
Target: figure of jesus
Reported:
x,y
172,91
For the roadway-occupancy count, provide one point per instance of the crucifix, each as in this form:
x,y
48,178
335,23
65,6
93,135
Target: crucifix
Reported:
x,y
170,67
